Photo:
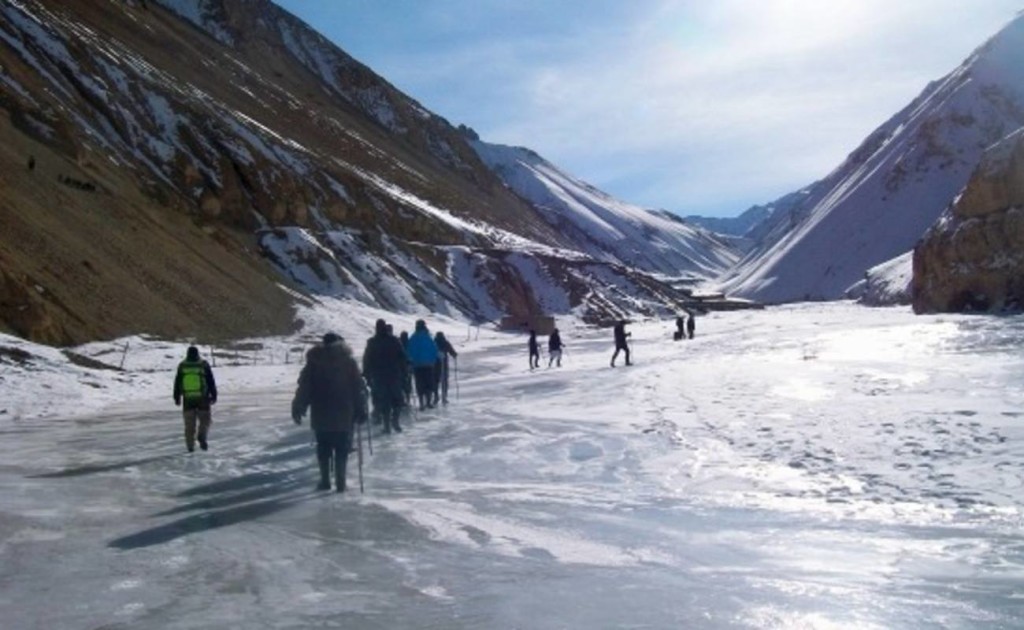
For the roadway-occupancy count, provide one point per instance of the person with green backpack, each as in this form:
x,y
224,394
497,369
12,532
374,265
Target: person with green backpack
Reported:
x,y
195,391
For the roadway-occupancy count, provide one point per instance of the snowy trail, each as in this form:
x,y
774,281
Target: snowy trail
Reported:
x,y
812,467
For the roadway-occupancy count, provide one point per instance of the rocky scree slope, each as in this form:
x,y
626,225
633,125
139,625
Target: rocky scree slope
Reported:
x,y
165,134
972,259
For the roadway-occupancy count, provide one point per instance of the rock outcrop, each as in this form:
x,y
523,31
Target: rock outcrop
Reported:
x,y
972,259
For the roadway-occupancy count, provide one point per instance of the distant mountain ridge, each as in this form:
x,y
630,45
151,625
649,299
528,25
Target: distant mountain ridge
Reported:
x,y
734,226
604,227
883,197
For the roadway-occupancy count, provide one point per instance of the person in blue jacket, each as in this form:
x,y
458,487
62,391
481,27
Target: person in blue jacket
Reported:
x,y
423,355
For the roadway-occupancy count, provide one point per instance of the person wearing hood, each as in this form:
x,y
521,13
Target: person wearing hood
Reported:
x,y
423,354
196,391
332,389
534,348
555,346
384,366
445,350
620,341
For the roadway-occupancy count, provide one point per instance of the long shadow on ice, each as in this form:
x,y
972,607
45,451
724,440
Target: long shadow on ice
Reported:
x,y
253,496
94,469
248,488
206,521
231,501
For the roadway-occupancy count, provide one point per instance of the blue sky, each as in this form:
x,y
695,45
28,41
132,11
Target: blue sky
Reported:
x,y
695,106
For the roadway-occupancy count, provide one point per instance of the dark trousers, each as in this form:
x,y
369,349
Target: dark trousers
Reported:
x,y
387,404
617,348
424,375
441,380
534,359
333,445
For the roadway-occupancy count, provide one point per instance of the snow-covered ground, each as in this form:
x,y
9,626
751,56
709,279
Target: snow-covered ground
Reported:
x,y
810,466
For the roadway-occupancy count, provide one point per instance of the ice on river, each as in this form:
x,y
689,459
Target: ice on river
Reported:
x,y
812,466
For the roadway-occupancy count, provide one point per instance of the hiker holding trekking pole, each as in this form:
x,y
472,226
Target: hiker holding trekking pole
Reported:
x,y
332,389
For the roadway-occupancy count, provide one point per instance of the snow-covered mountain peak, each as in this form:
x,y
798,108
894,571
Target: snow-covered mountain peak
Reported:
x,y
881,199
606,227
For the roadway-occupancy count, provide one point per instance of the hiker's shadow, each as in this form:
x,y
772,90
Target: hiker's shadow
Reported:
x,y
231,501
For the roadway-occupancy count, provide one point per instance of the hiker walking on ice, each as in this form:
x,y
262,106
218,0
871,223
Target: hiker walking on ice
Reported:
x,y
555,348
444,350
422,353
332,389
620,341
534,350
196,391
384,366
690,325
680,332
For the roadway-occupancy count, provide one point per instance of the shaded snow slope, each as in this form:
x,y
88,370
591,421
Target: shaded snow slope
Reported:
x,y
880,201
814,466
604,227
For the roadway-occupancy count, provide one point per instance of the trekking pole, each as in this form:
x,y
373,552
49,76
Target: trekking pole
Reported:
x,y
369,438
369,426
359,450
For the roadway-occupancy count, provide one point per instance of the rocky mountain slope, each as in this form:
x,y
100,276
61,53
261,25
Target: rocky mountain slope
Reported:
x,y
973,257
879,202
182,149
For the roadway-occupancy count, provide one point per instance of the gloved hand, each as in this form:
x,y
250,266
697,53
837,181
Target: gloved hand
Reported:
x,y
177,401
213,401
296,418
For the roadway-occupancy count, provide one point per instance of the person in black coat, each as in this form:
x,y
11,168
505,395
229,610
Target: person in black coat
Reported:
x,y
534,350
384,367
555,348
620,341
690,325
332,389
444,350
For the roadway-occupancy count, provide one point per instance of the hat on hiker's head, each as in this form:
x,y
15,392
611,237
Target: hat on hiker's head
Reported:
x,y
440,335
330,338
381,327
421,325
192,354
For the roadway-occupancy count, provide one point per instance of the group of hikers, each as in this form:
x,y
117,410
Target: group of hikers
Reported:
x,y
684,330
334,390
555,347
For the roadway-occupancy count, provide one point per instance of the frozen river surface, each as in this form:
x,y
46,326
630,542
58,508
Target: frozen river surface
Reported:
x,y
804,467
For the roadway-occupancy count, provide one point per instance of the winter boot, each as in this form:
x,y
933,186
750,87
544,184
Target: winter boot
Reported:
x,y
325,473
202,441
339,480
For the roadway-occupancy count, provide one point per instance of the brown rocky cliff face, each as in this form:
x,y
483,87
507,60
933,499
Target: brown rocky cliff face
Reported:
x,y
973,258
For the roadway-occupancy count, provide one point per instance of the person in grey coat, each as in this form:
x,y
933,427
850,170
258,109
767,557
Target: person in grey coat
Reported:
x,y
331,388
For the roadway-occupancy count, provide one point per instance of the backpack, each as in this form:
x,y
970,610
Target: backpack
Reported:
x,y
193,381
